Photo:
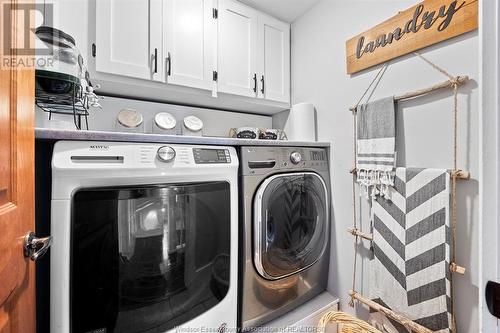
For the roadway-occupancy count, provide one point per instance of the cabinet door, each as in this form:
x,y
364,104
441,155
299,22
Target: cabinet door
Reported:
x,y
237,39
190,43
274,59
126,40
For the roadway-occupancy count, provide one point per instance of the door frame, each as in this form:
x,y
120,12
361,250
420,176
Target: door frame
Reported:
x,y
489,180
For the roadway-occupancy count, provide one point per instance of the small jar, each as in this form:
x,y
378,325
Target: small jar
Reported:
x,y
129,120
164,123
247,133
268,134
192,126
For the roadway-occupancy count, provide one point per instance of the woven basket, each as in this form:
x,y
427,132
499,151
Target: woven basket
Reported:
x,y
346,323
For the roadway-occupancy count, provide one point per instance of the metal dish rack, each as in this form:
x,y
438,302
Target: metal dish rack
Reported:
x,y
74,101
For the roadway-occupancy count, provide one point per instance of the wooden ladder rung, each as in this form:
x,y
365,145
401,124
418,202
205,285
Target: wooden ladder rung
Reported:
x,y
356,232
409,324
412,94
459,174
454,268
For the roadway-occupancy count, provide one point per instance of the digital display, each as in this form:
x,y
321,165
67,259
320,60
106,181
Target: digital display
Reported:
x,y
208,155
204,156
317,155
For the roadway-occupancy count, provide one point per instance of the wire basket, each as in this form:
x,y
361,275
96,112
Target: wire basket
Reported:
x,y
57,93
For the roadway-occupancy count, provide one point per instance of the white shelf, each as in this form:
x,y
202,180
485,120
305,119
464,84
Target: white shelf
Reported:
x,y
305,318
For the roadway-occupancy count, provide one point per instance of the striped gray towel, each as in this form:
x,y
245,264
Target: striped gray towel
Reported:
x,y
376,144
410,269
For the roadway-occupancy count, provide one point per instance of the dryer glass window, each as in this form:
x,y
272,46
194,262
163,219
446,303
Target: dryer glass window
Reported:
x,y
292,232
146,259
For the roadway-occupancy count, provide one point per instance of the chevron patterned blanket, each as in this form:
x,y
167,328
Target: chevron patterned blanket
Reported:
x,y
411,246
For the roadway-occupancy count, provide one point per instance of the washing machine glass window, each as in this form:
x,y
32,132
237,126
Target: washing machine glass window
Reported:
x,y
149,257
290,224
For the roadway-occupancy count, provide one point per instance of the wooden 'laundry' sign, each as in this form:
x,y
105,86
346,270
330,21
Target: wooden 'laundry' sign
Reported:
x,y
427,23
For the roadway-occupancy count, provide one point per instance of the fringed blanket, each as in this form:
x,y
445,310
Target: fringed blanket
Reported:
x,y
411,245
376,145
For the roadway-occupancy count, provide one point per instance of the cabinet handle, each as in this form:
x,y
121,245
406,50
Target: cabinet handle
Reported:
x,y
255,83
156,60
169,64
263,84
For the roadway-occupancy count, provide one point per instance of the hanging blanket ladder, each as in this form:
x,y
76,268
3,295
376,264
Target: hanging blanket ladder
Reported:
x,y
453,82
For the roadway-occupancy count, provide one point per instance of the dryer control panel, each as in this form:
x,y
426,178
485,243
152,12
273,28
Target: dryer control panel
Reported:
x,y
261,160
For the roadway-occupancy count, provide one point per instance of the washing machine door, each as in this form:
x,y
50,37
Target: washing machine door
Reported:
x,y
290,224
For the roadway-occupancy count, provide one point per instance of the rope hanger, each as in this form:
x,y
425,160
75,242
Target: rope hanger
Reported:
x,y
453,82
450,83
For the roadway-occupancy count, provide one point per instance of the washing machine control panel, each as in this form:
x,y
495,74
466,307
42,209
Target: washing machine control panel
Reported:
x,y
210,155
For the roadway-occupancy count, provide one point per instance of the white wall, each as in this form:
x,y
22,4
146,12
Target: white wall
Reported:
x,y
424,127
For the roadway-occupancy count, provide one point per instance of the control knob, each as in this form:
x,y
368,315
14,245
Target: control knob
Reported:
x,y
166,154
295,157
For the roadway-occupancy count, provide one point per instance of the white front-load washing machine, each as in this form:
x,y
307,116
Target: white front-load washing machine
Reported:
x,y
285,230
144,237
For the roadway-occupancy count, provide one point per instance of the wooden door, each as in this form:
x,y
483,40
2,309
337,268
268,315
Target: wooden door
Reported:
x,y
17,273
190,42
274,59
128,38
237,53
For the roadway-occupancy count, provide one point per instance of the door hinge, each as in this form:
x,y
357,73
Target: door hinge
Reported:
x,y
215,13
93,49
215,76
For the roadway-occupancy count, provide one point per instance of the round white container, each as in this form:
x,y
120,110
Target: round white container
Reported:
x,y
164,123
128,120
192,126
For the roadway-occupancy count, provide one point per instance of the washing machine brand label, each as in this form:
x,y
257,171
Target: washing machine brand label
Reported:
x,y
99,147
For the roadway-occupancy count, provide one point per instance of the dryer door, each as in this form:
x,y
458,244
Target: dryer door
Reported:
x,y
290,224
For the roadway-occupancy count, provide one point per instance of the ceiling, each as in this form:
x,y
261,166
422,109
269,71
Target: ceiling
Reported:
x,y
285,10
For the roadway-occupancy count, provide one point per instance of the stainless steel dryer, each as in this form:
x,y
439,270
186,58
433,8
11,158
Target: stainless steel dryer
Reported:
x,y
285,230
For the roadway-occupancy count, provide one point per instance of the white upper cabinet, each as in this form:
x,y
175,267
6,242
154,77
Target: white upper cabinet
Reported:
x,y
237,49
190,39
253,53
274,59
211,45
126,42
